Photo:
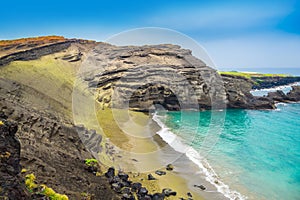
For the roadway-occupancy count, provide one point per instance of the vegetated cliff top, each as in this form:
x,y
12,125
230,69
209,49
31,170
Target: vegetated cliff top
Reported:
x,y
251,74
8,47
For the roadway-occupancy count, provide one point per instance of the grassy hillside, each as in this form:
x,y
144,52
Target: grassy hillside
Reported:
x,y
251,74
47,75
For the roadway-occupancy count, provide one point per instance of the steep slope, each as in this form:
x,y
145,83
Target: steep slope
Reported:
x,y
37,95
12,185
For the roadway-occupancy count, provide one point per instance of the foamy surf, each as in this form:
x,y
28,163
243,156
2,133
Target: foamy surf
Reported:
x,y
178,145
284,88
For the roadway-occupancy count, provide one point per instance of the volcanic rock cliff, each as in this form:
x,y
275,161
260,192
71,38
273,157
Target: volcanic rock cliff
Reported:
x,y
143,77
166,75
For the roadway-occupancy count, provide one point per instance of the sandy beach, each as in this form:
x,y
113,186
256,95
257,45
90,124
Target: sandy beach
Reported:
x,y
141,154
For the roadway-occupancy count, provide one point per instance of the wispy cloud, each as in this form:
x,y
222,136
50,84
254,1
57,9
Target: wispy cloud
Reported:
x,y
232,16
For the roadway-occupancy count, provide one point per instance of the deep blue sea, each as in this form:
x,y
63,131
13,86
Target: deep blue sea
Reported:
x,y
253,152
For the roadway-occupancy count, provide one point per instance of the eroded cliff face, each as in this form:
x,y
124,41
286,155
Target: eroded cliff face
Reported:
x,y
142,78
37,95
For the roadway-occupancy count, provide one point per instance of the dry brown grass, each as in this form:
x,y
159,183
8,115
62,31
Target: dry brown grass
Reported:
x,y
44,39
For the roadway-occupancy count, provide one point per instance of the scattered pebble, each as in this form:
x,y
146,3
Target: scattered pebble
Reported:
x,y
169,167
202,187
169,192
151,177
160,173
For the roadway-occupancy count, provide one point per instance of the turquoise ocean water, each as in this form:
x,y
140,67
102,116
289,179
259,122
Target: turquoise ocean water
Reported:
x,y
257,152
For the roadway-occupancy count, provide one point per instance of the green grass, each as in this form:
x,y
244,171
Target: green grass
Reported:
x,y
51,77
251,75
30,182
91,162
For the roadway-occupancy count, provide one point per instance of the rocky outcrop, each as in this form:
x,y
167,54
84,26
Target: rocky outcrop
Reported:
x,y
239,96
12,186
273,81
146,77
294,94
280,96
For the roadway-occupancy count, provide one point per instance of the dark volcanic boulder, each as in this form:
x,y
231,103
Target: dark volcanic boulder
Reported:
x,y
294,94
168,192
151,177
110,172
158,196
136,187
142,191
169,167
11,184
278,96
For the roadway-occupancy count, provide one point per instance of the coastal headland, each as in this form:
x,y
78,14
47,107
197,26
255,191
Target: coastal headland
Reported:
x,y
40,139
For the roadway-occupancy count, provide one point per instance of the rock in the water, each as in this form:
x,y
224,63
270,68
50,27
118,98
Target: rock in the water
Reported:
x,y
168,192
160,173
151,177
294,94
169,167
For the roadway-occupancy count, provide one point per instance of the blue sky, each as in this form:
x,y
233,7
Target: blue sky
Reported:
x,y
236,34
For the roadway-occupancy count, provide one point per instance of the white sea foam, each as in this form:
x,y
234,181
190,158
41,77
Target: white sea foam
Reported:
x,y
285,88
178,145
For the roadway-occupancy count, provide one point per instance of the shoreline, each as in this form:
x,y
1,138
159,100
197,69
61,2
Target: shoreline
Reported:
x,y
216,189
137,163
